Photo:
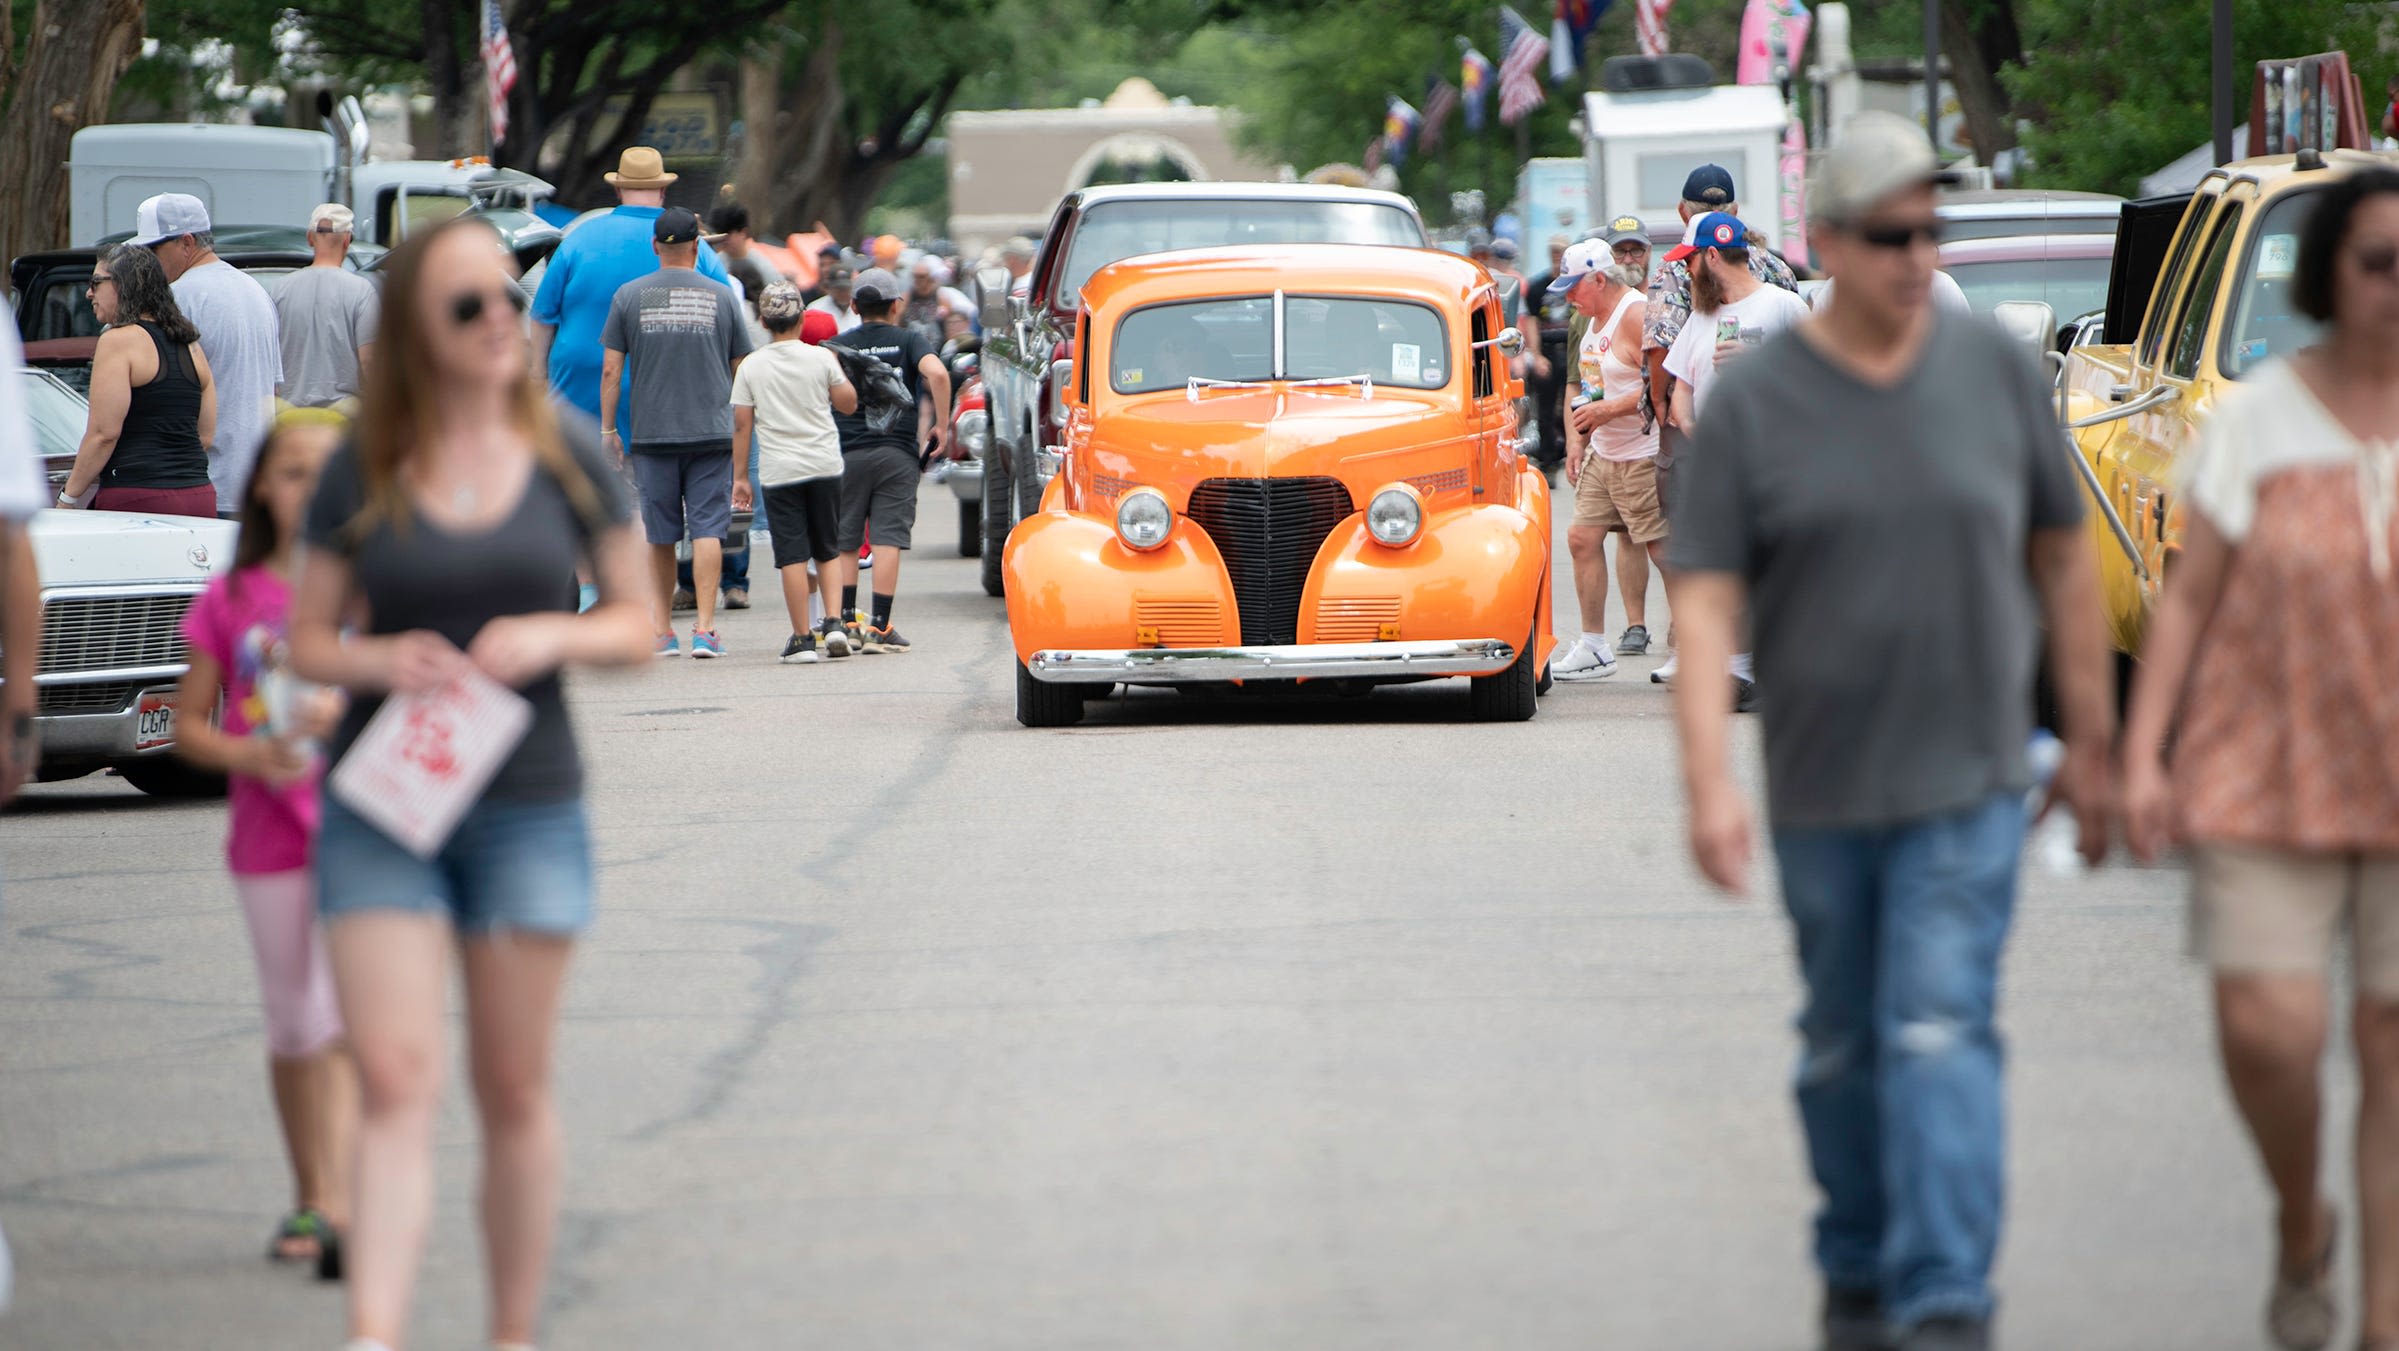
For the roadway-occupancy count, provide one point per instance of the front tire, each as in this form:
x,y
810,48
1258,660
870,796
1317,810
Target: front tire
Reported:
x,y
996,518
1041,704
1511,695
970,529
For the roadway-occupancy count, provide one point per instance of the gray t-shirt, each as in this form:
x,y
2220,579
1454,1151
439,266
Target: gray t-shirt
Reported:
x,y
1882,535
239,334
680,333
416,575
327,314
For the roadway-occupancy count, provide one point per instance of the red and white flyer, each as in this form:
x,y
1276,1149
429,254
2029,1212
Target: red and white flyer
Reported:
x,y
424,759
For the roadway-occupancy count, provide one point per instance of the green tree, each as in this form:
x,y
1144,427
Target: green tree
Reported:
x,y
2114,89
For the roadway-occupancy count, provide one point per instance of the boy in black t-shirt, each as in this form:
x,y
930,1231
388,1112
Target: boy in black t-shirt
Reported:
x,y
880,456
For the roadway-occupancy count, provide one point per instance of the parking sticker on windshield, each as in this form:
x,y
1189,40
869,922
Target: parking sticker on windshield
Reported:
x,y
1131,375
2278,257
1407,362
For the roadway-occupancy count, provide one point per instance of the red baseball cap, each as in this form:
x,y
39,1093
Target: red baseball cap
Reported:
x,y
1715,230
816,326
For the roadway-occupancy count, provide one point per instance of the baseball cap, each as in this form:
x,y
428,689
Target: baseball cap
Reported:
x,y
816,326
1582,259
836,274
676,225
1875,155
168,216
1711,184
1715,230
780,301
1504,249
1624,229
876,285
333,218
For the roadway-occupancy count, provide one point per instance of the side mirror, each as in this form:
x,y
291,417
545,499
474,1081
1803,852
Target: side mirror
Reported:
x,y
1511,298
1062,383
2030,322
991,283
1511,343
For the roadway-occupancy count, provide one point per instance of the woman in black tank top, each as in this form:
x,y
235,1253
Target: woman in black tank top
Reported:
x,y
145,444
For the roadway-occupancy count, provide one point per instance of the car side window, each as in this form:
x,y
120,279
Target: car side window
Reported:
x,y
2171,279
2200,305
1480,331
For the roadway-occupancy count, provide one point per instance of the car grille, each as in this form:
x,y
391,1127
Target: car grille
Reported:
x,y
1269,530
99,633
1355,619
85,699
1197,622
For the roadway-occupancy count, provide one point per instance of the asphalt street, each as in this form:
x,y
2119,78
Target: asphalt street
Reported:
x,y
1313,1023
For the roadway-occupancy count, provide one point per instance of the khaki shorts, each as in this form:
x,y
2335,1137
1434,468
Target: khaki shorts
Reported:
x,y
2259,910
1620,495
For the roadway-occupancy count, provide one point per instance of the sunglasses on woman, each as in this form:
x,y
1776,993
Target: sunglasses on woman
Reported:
x,y
467,308
98,280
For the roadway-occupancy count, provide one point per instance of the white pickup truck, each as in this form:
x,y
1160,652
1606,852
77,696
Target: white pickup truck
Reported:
x,y
114,589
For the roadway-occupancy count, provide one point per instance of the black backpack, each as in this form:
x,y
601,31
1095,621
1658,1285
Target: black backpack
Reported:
x,y
883,397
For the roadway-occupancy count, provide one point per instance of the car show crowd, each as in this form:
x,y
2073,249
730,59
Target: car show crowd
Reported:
x,y
1870,531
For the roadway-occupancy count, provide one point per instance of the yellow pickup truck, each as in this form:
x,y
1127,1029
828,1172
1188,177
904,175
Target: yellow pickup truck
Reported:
x,y
2177,335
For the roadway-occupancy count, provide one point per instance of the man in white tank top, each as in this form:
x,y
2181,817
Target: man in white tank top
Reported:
x,y
1611,449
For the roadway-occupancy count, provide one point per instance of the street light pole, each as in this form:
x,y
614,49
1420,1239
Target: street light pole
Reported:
x,y
2224,82
1932,72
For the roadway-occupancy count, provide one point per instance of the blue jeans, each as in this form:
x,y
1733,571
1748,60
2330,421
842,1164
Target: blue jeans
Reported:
x,y
522,866
1900,929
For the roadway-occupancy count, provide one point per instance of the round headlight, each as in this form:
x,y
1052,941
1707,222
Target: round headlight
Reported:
x,y
974,432
1395,516
1143,520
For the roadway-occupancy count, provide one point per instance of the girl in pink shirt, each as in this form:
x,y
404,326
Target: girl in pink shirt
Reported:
x,y
236,633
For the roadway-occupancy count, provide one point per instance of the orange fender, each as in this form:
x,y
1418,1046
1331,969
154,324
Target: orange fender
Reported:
x,y
1073,584
1475,572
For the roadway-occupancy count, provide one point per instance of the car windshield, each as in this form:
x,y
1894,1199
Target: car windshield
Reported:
x,y
1326,338
56,414
60,307
1112,231
2069,285
2031,223
2265,321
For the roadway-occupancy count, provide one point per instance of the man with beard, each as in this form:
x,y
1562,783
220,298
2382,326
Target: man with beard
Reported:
x,y
1731,312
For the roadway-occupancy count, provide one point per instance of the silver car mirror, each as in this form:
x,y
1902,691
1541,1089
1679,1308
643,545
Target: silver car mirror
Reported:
x,y
1510,342
2031,322
992,283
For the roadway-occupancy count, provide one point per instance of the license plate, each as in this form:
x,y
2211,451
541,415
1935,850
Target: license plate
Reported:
x,y
154,720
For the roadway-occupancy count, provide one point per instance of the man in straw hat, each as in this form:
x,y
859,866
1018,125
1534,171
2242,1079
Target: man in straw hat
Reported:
x,y
591,265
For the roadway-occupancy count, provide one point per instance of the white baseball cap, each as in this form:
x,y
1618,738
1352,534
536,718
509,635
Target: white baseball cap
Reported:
x,y
167,216
332,216
1580,261
1875,155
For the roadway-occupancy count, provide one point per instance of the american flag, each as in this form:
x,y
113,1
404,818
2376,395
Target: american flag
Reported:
x,y
1440,100
499,68
1522,51
1649,20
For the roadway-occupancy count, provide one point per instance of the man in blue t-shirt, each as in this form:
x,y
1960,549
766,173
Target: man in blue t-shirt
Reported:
x,y
591,265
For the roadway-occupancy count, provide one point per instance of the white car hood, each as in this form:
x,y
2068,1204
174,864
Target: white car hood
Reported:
x,y
111,548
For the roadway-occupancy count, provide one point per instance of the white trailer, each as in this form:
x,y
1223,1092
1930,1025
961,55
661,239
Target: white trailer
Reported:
x,y
243,175
1638,147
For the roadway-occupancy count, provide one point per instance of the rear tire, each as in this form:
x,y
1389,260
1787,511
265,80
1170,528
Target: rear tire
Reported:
x,y
168,777
1041,704
1510,695
970,529
996,518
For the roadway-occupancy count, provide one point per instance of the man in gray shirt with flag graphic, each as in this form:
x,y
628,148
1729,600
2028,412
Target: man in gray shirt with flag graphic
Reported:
x,y
681,334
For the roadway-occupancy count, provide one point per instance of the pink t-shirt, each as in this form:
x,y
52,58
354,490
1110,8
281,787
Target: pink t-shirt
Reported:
x,y
241,622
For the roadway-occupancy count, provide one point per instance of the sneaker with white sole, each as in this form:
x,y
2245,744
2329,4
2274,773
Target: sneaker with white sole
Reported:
x,y
704,643
1635,641
1664,675
668,646
1583,662
834,638
800,651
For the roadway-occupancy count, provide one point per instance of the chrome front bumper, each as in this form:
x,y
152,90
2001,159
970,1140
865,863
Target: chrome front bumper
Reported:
x,y
966,479
1297,661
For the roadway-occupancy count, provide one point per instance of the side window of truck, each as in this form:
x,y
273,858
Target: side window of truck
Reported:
x,y
2200,306
1480,330
2170,280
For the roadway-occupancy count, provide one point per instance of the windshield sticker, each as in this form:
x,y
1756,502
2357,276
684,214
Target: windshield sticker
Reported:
x,y
2278,258
1407,362
1131,375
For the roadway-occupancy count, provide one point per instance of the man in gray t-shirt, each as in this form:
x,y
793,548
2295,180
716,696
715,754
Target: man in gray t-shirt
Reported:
x,y
1886,490
328,315
680,334
238,332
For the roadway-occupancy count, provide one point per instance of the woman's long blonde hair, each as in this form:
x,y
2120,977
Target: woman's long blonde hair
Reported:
x,y
403,386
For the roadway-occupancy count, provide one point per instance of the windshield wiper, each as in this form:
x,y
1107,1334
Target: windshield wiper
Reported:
x,y
1197,383
1363,381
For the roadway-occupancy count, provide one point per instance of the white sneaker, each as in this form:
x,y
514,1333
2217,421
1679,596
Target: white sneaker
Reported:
x,y
1582,663
1664,675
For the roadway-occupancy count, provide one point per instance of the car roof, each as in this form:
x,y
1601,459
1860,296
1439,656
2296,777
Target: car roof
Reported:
x,y
2269,171
1214,191
1428,275
2022,248
1986,202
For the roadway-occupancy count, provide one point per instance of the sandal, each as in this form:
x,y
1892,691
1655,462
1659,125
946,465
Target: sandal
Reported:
x,y
2301,1315
301,1226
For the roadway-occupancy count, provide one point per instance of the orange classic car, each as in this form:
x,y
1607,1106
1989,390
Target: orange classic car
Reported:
x,y
1296,462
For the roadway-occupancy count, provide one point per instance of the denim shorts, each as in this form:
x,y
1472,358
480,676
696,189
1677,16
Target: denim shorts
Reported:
x,y
522,866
